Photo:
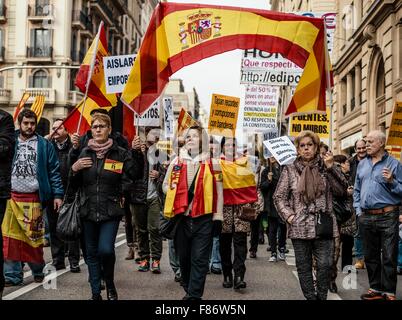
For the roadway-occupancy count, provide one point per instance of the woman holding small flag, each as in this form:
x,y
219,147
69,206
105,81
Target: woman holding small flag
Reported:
x,y
193,200
103,172
239,193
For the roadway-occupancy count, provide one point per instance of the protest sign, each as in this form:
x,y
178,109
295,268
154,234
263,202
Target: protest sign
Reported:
x,y
117,70
260,108
268,135
282,149
150,118
223,115
168,116
316,122
164,145
395,131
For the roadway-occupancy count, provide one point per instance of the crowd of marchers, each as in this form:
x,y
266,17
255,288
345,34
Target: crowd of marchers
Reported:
x,y
206,197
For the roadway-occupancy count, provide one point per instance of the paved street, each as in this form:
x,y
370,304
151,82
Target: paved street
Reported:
x,y
265,281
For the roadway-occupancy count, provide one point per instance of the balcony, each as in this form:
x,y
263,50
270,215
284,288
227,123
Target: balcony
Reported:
x,y
40,54
80,19
50,94
5,96
88,30
38,13
77,56
74,97
3,12
104,10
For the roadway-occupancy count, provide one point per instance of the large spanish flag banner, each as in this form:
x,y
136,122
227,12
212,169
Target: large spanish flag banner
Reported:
x,y
239,185
23,228
71,122
181,34
97,85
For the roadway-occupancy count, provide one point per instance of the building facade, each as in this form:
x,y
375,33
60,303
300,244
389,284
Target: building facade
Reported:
x,y
367,64
43,42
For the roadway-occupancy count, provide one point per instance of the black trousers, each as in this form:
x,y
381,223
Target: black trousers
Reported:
x,y
275,240
238,265
3,203
193,244
380,248
347,243
57,246
255,233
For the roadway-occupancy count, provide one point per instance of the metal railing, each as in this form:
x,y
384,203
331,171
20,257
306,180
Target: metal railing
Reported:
x,y
40,10
39,52
77,56
80,16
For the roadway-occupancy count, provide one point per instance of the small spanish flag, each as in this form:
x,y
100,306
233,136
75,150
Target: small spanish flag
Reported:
x,y
114,166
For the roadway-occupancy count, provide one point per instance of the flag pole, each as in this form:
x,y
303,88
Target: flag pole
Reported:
x,y
329,91
91,70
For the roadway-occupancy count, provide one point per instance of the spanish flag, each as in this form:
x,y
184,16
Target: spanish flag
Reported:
x,y
239,185
181,34
92,72
184,121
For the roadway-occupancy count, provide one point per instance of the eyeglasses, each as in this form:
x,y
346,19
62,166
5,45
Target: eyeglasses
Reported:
x,y
306,145
99,126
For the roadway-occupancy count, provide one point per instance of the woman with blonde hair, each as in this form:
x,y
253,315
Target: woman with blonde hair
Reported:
x,y
303,198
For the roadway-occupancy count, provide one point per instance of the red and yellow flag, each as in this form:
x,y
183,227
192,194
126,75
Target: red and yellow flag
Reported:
x,y
184,121
97,86
38,106
239,185
20,105
181,34
71,122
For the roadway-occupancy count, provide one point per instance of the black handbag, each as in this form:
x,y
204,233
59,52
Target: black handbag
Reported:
x,y
324,226
69,223
248,213
342,210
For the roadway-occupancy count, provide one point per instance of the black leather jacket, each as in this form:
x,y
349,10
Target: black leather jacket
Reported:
x,y
101,190
7,146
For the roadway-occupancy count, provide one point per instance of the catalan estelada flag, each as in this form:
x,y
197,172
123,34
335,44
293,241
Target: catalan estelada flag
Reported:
x,y
23,228
20,105
239,185
71,122
38,106
97,85
181,34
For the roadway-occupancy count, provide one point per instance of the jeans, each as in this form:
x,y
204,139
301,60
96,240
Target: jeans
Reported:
x,y
276,238
3,203
215,258
146,219
193,242
129,227
239,240
99,240
400,254
174,259
358,244
57,245
380,247
13,271
255,233
322,250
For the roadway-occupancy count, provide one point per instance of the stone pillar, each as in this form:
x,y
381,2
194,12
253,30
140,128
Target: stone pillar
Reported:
x,y
358,85
349,91
358,13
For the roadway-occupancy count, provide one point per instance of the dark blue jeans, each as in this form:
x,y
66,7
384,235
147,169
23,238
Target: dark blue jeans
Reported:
x,y
193,242
3,203
99,241
380,248
323,252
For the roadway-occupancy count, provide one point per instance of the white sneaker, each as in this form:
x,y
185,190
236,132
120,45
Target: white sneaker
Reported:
x,y
282,256
273,258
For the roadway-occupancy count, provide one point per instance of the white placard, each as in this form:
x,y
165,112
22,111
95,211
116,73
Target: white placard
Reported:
x,y
168,116
150,118
117,69
260,108
282,149
268,135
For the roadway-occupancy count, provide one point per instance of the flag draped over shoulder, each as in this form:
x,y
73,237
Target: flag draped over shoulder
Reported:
x,y
23,228
97,85
181,34
71,122
239,185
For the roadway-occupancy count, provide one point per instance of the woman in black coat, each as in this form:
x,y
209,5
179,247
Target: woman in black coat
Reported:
x,y
269,180
103,172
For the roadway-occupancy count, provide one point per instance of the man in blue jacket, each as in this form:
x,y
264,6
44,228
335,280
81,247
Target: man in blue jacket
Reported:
x,y
35,184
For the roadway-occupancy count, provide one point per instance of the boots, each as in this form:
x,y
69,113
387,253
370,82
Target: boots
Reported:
x,y
111,292
130,254
228,281
239,283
